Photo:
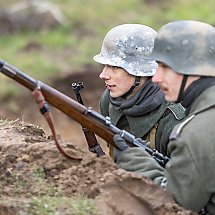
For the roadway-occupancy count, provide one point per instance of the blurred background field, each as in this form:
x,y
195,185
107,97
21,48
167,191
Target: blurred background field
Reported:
x,y
55,41
49,50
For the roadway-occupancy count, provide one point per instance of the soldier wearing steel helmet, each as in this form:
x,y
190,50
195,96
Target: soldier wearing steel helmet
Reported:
x,y
185,52
131,100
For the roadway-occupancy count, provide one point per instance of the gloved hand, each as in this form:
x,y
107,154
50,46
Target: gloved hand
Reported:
x,y
120,146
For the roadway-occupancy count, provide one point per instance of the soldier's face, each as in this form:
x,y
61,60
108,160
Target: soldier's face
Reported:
x,y
169,82
117,80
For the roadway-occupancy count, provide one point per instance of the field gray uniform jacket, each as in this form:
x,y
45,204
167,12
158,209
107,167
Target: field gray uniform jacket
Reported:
x,y
140,126
190,173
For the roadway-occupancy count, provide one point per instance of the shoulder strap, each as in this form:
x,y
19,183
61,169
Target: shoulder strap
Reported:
x,y
178,128
177,110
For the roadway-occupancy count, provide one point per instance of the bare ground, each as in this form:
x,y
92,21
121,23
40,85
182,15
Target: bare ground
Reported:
x,y
32,169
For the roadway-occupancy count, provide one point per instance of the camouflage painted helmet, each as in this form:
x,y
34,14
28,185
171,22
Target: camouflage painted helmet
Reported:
x,y
186,46
127,46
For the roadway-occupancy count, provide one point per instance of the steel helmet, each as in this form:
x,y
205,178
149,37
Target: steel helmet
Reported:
x,y
127,46
186,46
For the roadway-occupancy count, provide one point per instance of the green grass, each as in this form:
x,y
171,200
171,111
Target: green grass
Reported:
x,y
6,122
45,55
47,205
194,9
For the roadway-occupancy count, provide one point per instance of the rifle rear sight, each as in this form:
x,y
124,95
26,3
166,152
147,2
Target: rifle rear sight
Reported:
x,y
77,87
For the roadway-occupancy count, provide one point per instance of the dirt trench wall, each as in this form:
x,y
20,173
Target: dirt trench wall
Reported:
x,y
32,168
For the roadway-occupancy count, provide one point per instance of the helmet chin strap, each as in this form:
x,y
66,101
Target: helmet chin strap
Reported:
x,y
136,83
181,91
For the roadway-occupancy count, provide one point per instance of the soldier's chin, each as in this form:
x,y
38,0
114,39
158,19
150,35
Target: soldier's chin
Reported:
x,y
113,95
169,98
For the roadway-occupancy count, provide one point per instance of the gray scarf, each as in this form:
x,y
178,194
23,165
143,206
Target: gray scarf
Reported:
x,y
148,98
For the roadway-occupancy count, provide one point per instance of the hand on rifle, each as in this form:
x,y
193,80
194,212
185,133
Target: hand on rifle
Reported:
x,y
120,146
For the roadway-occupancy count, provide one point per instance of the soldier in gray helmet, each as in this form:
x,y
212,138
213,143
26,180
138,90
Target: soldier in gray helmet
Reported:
x,y
131,100
185,52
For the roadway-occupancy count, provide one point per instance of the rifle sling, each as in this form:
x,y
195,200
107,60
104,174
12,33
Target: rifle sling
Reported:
x,y
46,112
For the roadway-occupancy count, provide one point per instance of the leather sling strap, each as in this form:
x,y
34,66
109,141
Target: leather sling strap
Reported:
x,y
46,112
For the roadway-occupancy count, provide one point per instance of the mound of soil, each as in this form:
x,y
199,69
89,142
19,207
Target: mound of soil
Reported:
x,y
32,168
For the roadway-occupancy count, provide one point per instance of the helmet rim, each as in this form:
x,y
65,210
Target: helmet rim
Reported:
x,y
148,69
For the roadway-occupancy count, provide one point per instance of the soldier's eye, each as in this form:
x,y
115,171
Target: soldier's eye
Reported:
x,y
163,65
115,67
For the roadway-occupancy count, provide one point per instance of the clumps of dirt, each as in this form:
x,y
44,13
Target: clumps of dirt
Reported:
x,y
82,178
31,167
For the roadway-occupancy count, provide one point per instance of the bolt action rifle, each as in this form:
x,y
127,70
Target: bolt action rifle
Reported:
x,y
92,142
87,117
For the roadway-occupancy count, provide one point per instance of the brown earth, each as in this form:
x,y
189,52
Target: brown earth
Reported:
x,y
32,168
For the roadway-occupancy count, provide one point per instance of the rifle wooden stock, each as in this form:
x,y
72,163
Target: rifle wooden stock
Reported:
x,y
88,118
59,100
